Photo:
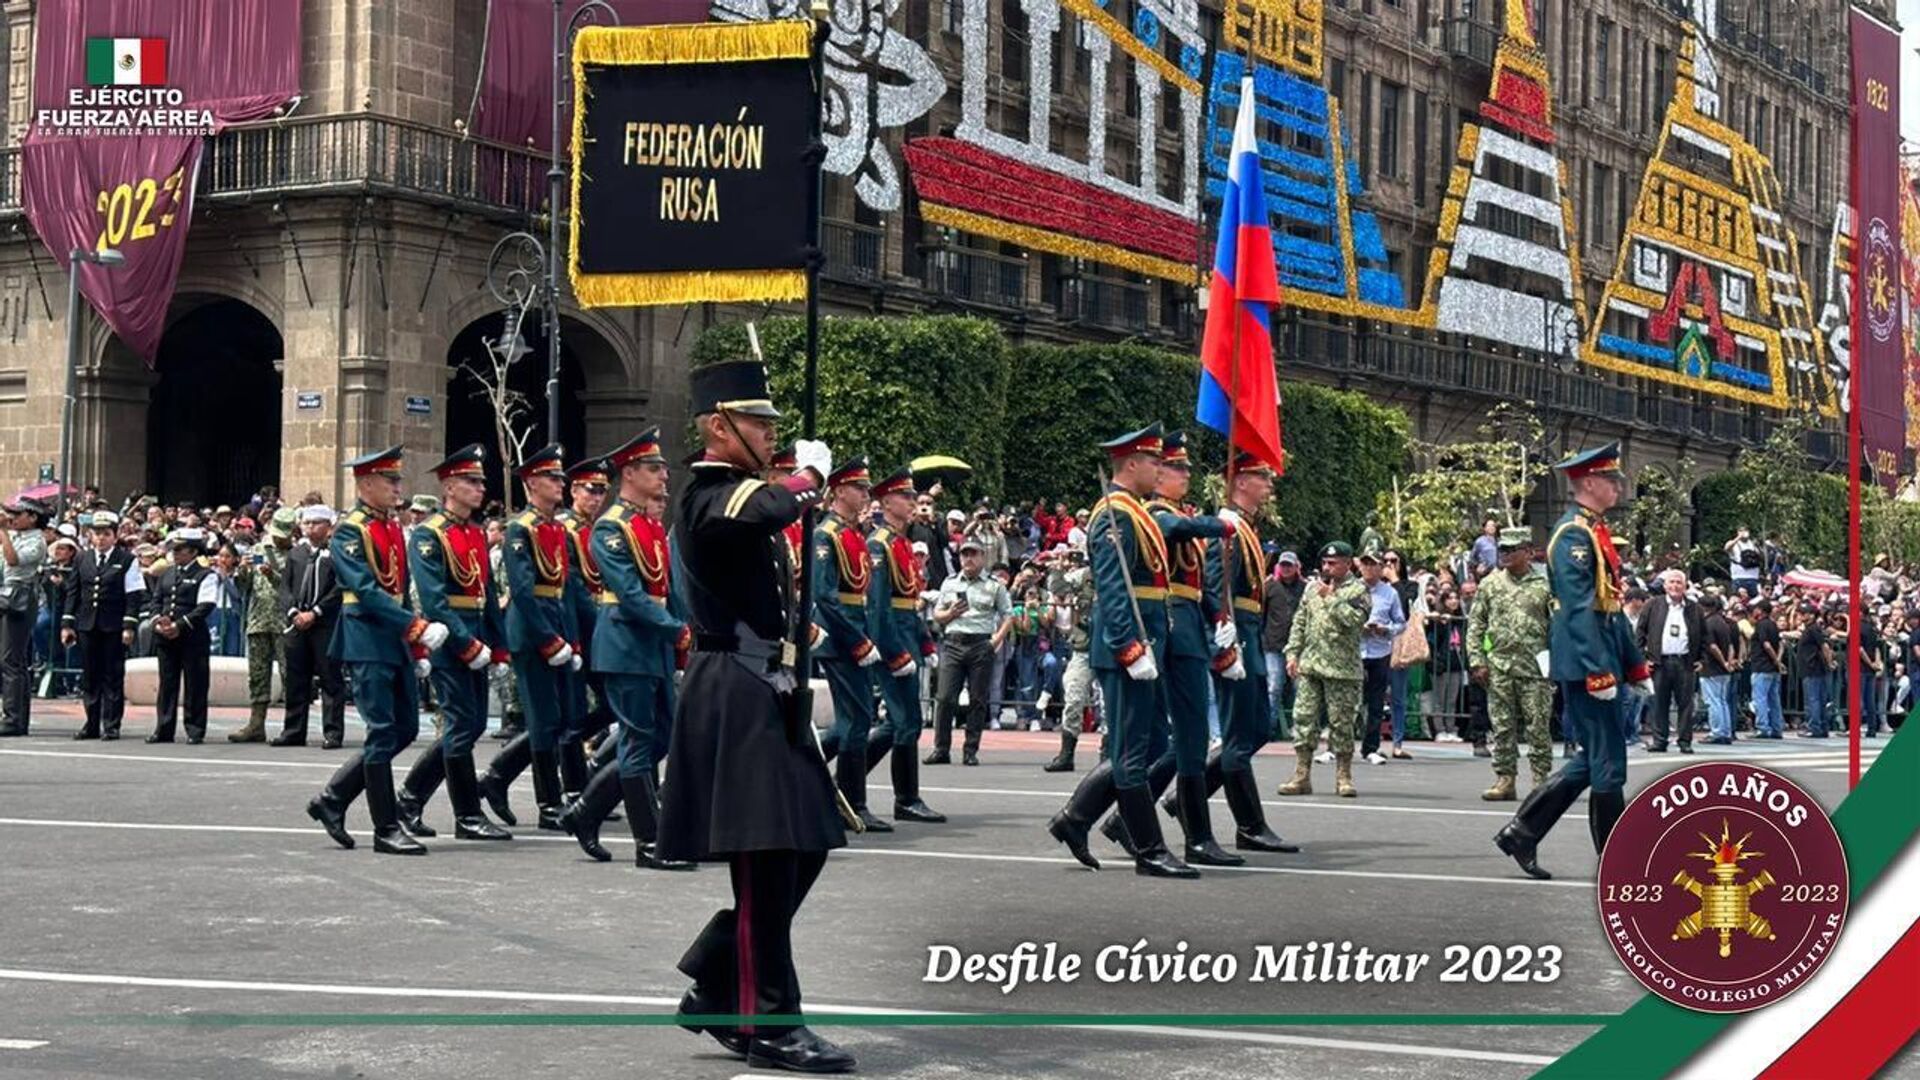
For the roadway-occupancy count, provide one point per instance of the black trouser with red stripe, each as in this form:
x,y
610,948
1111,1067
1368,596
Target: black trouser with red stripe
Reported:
x,y
743,961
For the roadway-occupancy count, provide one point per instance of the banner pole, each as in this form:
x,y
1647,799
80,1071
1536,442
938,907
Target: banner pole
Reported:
x,y
1855,435
809,400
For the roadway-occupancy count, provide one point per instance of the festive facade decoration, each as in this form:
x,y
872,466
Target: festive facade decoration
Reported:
x,y
876,79
1493,226
1836,314
1015,187
1329,253
1910,294
1707,293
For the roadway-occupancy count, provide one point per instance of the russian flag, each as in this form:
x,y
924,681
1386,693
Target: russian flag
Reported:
x,y
1241,391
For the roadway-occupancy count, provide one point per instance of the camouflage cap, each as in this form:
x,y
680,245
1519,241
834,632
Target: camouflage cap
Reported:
x,y
1517,536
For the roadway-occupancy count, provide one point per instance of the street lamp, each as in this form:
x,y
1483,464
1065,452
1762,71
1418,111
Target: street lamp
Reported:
x,y
104,257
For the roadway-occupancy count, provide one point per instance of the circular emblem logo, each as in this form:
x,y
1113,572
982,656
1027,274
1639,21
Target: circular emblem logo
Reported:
x,y
1723,887
1879,281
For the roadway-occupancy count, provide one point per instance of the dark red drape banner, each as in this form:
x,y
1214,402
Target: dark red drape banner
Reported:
x,y
85,185
515,99
1878,364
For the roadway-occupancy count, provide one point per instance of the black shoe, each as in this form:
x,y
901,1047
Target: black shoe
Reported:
x,y
645,859
1116,830
395,841
917,811
872,822
799,1050
1686,748
584,817
969,758
1250,831
1151,857
84,734
478,827
1543,806
151,739
196,740
383,806
1480,750
109,736
1062,762
692,1004
331,818
329,744
410,809
1656,748
549,819
494,790
15,733
283,740
1524,847
1074,835
938,757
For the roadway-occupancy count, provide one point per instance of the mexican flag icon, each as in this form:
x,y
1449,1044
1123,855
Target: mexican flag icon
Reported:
x,y
126,61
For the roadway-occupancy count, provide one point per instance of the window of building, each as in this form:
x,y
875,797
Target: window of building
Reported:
x,y
1419,148
1599,180
1389,160
1806,157
956,14
1363,135
1013,40
1603,57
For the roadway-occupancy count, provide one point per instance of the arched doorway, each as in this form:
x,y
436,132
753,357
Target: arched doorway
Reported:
x,y
213,418
470,406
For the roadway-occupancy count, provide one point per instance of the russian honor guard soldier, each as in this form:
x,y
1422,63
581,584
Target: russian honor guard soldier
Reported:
x,y
1129,556
904,642
745,782
842,573
1237,567
1507,631
1195,622
1323,659
181,602
97,614
384,646
587,485
1592,649
447,553
638,642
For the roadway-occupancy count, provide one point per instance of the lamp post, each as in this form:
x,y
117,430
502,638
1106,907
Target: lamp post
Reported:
x,y
105,257
563,31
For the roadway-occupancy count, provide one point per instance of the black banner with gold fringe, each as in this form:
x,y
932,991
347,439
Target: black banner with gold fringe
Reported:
x,y
689,163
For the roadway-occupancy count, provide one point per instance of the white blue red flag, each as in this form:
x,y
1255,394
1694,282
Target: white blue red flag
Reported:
x,y
1238,387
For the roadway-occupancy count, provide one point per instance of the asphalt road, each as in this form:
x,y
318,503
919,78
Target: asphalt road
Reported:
x,y
172,912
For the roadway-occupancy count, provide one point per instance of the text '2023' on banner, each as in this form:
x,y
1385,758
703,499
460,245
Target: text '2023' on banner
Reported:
x,y
690,162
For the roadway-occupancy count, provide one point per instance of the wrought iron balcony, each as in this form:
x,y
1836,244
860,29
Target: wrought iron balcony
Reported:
x,y
977,277
1104,302
1472,40
854,252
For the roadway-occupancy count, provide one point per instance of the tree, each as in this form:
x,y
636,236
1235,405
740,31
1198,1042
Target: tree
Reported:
x,y
1458,484
1660,505
512,412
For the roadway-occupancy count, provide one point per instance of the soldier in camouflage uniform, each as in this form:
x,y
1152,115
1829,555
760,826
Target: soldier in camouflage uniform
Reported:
x,y
1323,656
1506,633
1070,584
259,579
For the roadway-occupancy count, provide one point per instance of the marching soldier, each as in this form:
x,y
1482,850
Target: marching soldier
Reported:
x,y
640,641
1592,652
1130,629
1070,583
1323,659
1196,627
311,595
1506,633
1246,721
384,645
540,637
586,717
893,614
181,602
447,553
266,623
98,612
842,572
745,782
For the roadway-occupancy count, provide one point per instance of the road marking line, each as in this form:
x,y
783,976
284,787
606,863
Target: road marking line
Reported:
x,y
22,1044
976,856
351,990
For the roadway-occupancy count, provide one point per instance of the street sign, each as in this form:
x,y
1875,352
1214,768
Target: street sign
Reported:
x,y
419,406
307,400
46,472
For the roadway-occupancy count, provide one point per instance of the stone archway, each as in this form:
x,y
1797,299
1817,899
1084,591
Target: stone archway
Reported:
x,y
213,415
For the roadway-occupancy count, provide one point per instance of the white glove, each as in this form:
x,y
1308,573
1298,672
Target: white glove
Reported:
x,y
574,663
502,669
562,657
906,671
872,658
1143,669
1608,694
933,659
1644,687
1224,635
813,454
480,661
1045,699
422,668
1237,670
434,636
1229,515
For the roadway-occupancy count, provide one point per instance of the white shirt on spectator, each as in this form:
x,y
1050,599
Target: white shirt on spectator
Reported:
x,y
1674,642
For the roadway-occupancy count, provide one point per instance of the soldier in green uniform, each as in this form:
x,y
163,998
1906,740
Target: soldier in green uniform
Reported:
x,y
1593,652
842,572
1130,630
259,579
905,644
1323,659
1070,583
587,482
1506,633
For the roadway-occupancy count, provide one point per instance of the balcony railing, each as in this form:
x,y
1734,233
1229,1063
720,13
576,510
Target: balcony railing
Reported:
x,y
1104,302
1472,40
854,252
355,154
977,277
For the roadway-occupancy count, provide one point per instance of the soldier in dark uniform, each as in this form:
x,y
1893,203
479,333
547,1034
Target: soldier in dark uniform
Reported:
x,y
384,646
96,612
905,644
180,604
587,716
642,639
310,593
745,782
1130,628
447,553
842,571
1593,651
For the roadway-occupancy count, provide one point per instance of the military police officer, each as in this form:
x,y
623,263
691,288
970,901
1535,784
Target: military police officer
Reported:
x,y
1323,659
1506,635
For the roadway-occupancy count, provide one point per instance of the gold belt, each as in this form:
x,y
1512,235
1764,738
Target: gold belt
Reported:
x,y
906,603
549,592
1246,604
609,597
853,599
1185,592
466,603
348,596
1149,592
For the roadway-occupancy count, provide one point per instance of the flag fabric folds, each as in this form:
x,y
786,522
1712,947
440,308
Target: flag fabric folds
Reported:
x,y
1238,387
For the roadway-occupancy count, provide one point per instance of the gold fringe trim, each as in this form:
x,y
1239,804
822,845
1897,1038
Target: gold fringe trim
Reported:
x,y
693,43
687,287
1059,243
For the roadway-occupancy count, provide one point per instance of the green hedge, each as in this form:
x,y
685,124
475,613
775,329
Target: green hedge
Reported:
x,y
1816,530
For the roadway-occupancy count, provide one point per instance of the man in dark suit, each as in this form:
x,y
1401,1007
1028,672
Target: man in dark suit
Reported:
x,y
310,596
98,612
1673,634
182,602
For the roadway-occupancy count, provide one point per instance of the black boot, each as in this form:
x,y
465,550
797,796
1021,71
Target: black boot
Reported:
x,y
1542,807
463,791
329,808
546,788
1071,824
1190,792
428,770
907,805
584,815
1250,832
507,765
388,837
1602,811
574,776
1213,778
695,1003
1062,761
850,775
642,798
878,748
1152,859
1115,828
